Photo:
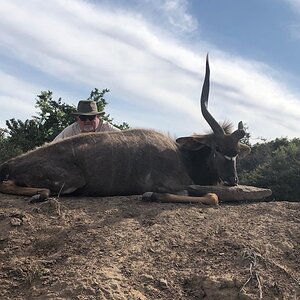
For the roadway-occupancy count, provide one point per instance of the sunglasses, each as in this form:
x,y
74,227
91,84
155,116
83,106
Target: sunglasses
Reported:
x,y
85,118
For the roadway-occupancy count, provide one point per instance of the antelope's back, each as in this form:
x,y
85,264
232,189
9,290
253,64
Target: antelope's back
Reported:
x,y
127,162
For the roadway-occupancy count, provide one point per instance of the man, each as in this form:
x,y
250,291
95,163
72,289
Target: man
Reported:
x,y
87,120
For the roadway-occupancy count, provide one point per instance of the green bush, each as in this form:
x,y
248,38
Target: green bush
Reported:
x,y
274,165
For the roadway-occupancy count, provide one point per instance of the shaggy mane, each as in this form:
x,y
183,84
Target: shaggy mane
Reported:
x,y
226,125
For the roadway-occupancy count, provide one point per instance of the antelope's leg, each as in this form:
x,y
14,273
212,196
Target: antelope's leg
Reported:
x,y
9,187
210,198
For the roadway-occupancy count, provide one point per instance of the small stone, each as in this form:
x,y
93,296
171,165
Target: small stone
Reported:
x,y
16,222
149,289
162,283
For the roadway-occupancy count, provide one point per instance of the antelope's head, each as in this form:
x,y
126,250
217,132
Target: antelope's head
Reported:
x,y
224,147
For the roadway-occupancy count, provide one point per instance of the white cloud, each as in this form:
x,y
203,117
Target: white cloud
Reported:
x,y
173,14
294,26
12,98
76,43
294,3
176,11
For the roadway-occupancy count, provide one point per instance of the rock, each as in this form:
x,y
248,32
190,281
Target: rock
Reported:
x,y
231,193
16,222
162,283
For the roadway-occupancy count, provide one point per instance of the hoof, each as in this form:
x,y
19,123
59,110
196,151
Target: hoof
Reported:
x,y
213,198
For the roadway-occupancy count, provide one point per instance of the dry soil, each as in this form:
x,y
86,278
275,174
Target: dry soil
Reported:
x,y
123,248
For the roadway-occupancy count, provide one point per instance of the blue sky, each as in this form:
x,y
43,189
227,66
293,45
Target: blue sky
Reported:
x,y
151,55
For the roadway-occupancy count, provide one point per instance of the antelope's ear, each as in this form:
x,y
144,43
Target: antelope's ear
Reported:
x,y
193,143
244,150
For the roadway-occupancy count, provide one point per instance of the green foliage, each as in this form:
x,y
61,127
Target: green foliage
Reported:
x,y
246,139
7,148
275,165
51,118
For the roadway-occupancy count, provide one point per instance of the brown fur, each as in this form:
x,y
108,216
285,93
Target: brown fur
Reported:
x,y
101,164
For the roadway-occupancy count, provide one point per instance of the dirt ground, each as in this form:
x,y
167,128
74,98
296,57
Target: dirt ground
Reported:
x,y
123,248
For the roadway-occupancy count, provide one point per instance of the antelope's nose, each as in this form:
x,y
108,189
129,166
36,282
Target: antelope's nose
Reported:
x,y
232,181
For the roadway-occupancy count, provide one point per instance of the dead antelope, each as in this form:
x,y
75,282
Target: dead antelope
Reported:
x,y
129,162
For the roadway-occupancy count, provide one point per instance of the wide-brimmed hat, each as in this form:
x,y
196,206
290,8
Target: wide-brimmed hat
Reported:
x,y
87,108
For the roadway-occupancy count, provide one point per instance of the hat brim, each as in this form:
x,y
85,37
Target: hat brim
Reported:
x,y
88,114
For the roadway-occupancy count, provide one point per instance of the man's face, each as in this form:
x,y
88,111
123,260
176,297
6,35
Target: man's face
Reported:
x,y
88,123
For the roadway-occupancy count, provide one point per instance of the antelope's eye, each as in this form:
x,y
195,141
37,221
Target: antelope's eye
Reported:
x,y
217,149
